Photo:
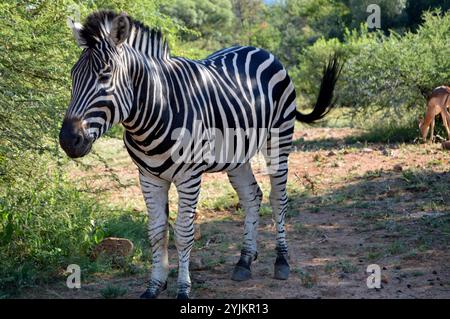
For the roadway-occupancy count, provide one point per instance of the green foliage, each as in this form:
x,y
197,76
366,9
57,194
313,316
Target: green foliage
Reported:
x,y
396,71
392,12
415,8
391,73
302,22
253,25
209,17
113,292
45,222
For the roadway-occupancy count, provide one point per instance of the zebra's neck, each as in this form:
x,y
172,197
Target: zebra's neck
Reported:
x,y
150,112
149,42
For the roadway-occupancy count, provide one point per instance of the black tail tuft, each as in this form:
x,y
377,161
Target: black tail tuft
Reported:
x,y
325,101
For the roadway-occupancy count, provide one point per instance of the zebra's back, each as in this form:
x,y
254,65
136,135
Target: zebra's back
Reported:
x,y
222,111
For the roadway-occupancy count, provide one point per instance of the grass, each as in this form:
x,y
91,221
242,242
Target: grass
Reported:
x,y
397,248
112,292
307,279
218,197
300,228
374,255
388,133
342,265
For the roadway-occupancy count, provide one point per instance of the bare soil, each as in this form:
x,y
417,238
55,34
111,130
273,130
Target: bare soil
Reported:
x,y
351,205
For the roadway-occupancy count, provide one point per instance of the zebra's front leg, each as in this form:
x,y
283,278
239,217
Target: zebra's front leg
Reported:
x,y
250,196
188,193
155,193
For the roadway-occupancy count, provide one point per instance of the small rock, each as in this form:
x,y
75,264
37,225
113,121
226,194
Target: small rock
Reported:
x,y
387,152
116,248
196,264
434,272
367,150
384,279
409,286
398,168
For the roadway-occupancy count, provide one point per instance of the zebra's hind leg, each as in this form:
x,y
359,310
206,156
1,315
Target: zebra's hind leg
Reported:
x,y
278,200
188,193
250,196
155,193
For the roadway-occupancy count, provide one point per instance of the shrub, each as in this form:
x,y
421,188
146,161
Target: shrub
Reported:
x,y
45,222
383,72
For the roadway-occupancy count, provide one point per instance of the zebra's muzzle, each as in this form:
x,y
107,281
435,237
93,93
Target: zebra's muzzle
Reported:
x,y
74,139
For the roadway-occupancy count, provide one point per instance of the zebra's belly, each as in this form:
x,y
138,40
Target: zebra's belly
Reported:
x,y
195,156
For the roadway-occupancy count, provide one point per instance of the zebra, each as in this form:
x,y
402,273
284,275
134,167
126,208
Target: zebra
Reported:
x,y
126,75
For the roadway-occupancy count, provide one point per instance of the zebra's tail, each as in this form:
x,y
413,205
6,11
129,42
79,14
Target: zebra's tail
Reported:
x,y
325,102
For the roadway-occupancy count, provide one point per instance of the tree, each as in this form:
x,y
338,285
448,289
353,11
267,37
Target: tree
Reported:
x,y
392,12
414,9
212,18
302,22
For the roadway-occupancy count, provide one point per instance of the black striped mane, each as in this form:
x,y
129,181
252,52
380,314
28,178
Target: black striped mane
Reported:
x,y
148,41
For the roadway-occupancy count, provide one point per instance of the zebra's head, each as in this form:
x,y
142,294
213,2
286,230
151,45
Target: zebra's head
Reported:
x,y
102,92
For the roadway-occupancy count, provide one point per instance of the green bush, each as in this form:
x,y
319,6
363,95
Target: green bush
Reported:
x,y
386,77
45,222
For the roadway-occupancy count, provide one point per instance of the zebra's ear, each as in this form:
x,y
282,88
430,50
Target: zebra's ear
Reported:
x,y
120,29
76,28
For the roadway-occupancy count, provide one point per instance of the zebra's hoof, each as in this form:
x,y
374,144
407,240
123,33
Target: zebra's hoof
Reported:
x,y
149,294
152,293
241,274
182,296
282,268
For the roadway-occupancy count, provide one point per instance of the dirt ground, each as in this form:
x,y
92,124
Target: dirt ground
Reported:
x,y
351,205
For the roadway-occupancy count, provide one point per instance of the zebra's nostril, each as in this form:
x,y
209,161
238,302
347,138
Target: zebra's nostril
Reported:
x,y
72,138
78,140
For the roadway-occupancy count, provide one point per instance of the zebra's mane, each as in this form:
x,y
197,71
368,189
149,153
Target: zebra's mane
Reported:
x,y
148,41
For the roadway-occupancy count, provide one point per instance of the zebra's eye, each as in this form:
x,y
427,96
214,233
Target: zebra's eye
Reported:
x,y
104,78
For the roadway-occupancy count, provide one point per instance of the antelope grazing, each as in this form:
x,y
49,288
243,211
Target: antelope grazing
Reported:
x,y
437,103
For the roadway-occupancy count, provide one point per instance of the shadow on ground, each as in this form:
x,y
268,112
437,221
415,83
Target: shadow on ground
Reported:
x,y
397,220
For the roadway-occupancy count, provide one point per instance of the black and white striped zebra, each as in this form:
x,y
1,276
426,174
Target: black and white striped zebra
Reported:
x,y
167,104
